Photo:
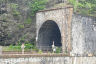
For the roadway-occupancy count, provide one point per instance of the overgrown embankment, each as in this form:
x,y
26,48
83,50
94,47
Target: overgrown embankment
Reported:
x,y
84,7
17,20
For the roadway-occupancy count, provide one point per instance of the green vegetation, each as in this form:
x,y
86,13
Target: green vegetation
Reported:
x,y
40,52
2,1
14,48
15,12
58,49
66,51
49,52
14,9
8,34
17,47
22,39
28,47
25,36
20,26
86,7
4,19
36,5
28,21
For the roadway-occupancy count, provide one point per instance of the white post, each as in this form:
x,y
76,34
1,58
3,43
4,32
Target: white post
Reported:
x,y
22,47
0,49
53,47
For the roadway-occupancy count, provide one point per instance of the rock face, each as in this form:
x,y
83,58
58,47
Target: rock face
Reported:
x,y
2,35
13,15
13,25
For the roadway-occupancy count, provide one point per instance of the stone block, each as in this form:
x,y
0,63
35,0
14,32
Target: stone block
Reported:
x,y
90,54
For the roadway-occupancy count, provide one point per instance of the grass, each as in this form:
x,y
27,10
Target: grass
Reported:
x,y
17,48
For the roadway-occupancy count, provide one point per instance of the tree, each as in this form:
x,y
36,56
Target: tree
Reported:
x,y
36,5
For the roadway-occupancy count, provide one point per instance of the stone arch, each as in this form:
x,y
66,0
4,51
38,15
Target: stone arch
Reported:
x,y
40,23
62,17
49,32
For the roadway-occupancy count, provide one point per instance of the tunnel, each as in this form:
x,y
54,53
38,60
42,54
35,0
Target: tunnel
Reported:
x,y
48,33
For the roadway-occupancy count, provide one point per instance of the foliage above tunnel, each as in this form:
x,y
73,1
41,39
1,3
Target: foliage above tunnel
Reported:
x,y
36,5
86,7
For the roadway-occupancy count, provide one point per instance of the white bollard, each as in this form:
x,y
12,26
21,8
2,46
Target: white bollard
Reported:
x,y
22,47
53,47
0,50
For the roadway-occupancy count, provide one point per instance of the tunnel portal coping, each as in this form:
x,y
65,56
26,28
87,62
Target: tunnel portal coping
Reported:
x,y
68,6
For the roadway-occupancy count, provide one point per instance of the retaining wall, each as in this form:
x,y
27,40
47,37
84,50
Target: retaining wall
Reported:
x,y
83,34
49,60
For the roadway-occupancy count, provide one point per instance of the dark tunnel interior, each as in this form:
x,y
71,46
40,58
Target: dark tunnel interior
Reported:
x,y
48,33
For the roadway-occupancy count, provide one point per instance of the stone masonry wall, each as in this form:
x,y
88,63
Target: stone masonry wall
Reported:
x,y
49,60
62,17
83,34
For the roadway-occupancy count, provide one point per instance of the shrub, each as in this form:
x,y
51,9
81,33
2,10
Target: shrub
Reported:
x,y
14,9
15,13
20,26
86,7
36,5
28,45
28,21
40,52
49,52
58,50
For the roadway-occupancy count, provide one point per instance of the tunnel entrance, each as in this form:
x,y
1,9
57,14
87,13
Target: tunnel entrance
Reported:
x,y
48,33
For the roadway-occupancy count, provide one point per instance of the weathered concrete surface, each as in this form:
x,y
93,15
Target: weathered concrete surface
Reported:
x,y
62,17
49,60
83,35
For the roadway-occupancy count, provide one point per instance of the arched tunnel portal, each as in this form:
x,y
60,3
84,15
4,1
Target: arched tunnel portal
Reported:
x,y
48,33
